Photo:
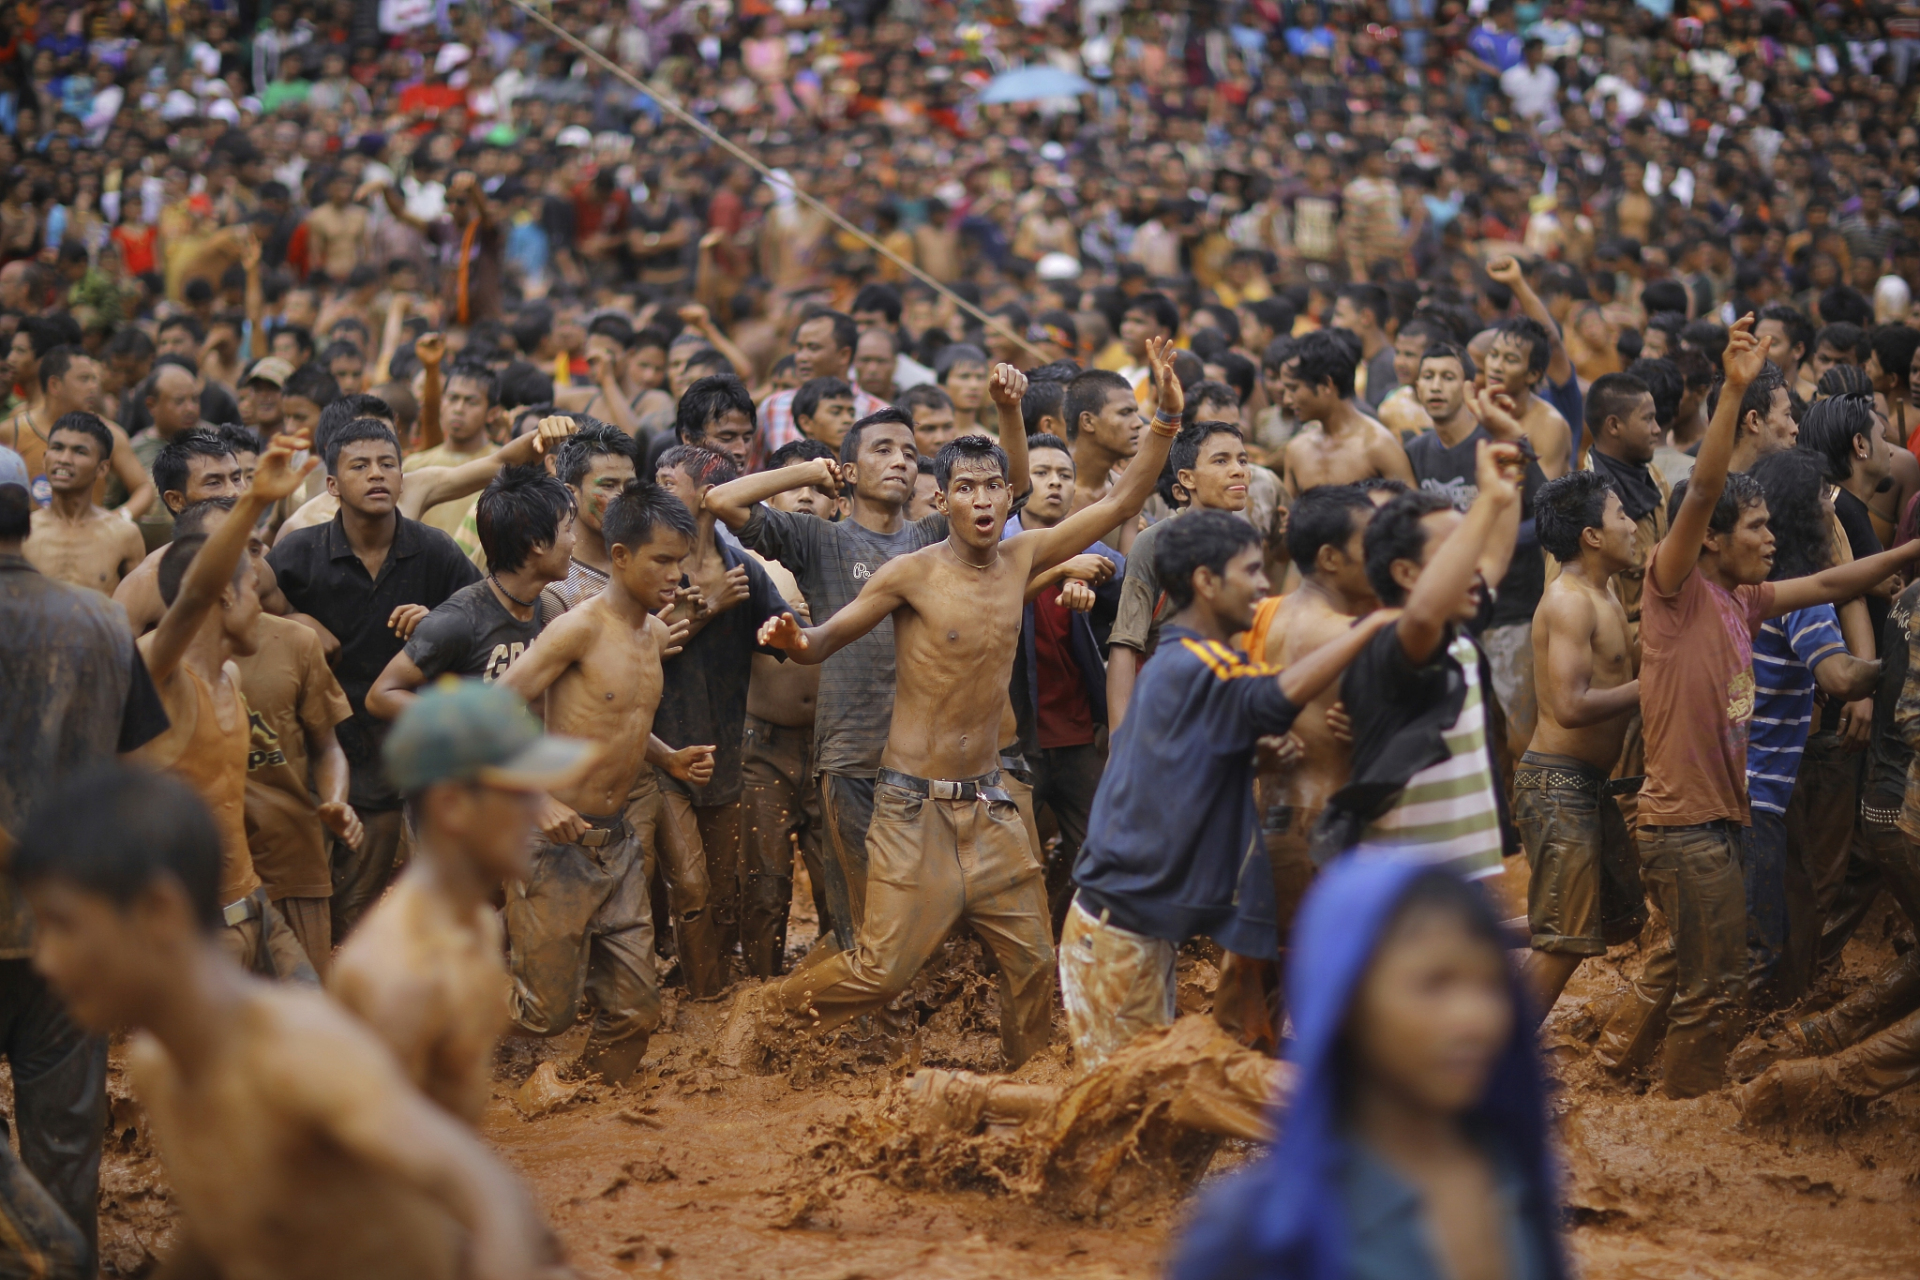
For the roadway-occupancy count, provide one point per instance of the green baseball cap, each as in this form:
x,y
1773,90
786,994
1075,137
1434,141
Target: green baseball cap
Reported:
x,y
470,731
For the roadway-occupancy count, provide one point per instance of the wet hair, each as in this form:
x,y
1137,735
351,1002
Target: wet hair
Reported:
x,y
193,517
1200,540
1844,380
1324,516
1089,392
16,513
704,465
56,362
1759,394
638,509
967,449
178,558
239,438
1895,344
892,415
116,830
652,337
595,439
468,369
360,429
520,509
1569,506
1184,453
707,401
1658,375
312,382
801,450
806,400
953,356
1160,308
1829,429
1396,533
522,384
344,410
1741,491
1800,332
1534,334
89,424
1793,482
927,395
1044,398
1613,395
172,463
1047,440
1322,357
1437,350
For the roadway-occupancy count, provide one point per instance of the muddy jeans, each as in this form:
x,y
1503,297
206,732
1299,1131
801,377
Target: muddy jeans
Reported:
x,y
847,805
311,920
1585,893
782,806
1116,985
264,945
59,1100
580,934
1692,984
1763,855
1893,992
932,864
682,865
711,836
361,875
37,1240
1246,1003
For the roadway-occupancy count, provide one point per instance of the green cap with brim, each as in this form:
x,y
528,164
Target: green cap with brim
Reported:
x,y
470,731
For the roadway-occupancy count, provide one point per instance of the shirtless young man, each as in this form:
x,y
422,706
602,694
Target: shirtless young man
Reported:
x,y
946,843
1526,349
64,380
294,1145
1103,429
1585,893
425,967
213,604
579,927
1337,444
75,539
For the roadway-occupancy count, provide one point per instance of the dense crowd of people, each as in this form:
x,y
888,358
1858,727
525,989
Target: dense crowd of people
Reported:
x,y
1320,454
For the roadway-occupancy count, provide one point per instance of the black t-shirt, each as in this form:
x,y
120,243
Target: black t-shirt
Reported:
x,y
472,634
1857,524
1450,473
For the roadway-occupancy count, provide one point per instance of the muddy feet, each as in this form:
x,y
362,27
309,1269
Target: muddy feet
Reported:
x,y
1757,1052
1802,1092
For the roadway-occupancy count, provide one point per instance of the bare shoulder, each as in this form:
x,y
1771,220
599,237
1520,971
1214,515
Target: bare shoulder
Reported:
x,y
307,1048
1310,625
1568,605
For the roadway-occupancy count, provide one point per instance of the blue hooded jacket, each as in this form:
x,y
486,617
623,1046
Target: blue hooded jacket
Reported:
x,y
1285,1218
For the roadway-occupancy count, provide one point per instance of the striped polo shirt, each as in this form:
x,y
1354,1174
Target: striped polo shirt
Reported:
x,y
1785,653
1448,814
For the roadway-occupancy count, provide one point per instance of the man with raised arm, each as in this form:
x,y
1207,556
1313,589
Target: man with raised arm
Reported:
x,y
1706,595
832,561
946,843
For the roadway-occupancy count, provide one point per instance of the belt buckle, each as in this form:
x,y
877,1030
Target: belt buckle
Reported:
x,y
237,913
596,838
943,789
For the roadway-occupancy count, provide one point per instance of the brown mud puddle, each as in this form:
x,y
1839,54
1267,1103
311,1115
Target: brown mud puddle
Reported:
x,y
698,1170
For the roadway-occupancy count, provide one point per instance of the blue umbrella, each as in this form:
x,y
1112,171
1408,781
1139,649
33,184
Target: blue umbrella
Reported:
x,y
1028,84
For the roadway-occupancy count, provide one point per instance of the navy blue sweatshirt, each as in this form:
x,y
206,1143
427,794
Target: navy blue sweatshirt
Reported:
x,y
1173,847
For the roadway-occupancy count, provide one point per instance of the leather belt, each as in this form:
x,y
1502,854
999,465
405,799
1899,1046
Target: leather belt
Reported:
x,y
1527,777
985,787
238,913
1015,764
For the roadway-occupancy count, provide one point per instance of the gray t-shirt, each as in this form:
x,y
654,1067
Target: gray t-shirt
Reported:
x,y
1136,625
832,560
472,634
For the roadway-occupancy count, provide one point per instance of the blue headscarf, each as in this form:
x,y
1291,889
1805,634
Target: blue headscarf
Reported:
x,y
1283,1219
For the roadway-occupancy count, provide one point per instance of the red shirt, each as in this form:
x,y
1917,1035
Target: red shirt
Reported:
x,y
1064,712
136,248
431,99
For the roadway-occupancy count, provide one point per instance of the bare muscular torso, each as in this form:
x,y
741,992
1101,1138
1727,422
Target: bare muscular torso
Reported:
x,y
954,640
607,694
1573,612
253,1150
1305,621
783,693
1358,451
429,980
95,551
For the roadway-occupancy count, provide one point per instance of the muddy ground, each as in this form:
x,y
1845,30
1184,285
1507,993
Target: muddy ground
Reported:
x,y
698,1170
